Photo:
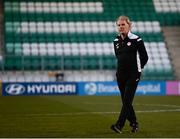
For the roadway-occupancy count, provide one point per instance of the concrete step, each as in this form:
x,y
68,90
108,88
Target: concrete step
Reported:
x,y
173,43
176,65
175,34
174,37
172,28
174,55
171,31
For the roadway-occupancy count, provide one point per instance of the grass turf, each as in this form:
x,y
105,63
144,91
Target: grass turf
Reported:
x,y
86,116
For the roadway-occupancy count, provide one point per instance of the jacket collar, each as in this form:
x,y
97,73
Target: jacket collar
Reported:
x,y
129,35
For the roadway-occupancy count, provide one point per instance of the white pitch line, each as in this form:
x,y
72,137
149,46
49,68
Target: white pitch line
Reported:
x,y
159,105
86,113
156,111
136,104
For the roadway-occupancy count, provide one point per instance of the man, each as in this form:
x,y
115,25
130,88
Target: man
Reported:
x,y
132,57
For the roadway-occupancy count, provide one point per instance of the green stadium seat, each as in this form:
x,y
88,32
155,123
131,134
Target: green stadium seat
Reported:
x,y
51,62
72,62
91,62
109,62
13,62
32,63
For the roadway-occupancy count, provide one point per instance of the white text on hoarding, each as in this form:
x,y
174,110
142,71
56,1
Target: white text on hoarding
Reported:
x,y
46,89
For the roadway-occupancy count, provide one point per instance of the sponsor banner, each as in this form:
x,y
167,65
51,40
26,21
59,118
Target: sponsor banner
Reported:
x,y
98,88
0,87
151,88
173,88
38,88
111,88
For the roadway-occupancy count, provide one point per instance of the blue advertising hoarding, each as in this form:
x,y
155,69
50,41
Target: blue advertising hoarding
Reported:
x,y
98,88
151,88
39,88
80,88
111,88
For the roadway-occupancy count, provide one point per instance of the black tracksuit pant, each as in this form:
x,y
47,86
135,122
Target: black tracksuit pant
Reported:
x,y
127,83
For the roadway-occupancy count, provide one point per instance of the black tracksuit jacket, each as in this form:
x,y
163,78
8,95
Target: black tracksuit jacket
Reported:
x,y
131,53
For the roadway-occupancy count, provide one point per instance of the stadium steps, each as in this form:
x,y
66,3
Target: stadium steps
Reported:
x,y
172,40
1,36
1,28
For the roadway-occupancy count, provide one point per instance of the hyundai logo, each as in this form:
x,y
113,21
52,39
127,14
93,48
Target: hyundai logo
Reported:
x,y
15,89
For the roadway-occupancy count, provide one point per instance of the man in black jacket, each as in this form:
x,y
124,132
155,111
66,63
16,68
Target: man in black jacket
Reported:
x,y
132,57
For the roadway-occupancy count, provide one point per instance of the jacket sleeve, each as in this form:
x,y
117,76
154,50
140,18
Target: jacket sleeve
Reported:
x,y
115,49
142,53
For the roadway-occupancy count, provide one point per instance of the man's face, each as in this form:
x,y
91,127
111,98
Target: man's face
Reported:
x,y
123,26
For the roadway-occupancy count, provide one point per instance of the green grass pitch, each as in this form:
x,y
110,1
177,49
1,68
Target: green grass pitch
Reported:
x,y
86,116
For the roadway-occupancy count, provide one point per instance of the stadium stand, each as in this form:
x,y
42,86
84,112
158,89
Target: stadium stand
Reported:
x,y
75,37
1,36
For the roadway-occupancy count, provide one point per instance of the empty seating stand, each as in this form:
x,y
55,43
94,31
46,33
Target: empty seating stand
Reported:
x,y
78,35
